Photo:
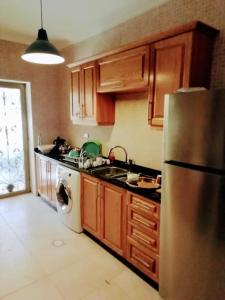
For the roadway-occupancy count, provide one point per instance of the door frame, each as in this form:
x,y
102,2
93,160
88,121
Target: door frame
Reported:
x,y
22,87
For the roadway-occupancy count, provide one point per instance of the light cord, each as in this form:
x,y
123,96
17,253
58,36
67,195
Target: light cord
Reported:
x,y
41,14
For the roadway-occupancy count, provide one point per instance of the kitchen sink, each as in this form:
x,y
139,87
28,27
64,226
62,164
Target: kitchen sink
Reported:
x,y
110,172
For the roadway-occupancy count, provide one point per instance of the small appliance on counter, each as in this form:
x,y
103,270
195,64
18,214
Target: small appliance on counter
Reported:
x,y
56,149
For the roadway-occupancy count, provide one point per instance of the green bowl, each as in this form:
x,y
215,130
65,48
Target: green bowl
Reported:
x,y
74,153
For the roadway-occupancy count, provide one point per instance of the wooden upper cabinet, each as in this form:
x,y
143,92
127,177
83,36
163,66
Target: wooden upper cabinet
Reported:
x,y
76,101
179,62
160,64
125,71
87,106
89,92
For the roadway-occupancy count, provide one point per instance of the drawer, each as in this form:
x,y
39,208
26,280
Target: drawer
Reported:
x,y
146,223
147,263
143,206
149,241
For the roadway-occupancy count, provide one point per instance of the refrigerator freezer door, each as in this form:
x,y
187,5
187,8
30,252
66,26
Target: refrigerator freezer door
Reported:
x,y
194,130
192,243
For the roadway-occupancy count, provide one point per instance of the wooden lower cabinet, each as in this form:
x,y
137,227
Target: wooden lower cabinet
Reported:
x,y
143,259
113,217
90,204
103,212
53,180
124,221
143,217
46,177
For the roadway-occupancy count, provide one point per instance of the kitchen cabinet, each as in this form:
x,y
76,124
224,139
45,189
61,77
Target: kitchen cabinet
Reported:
x,y
113,217
181,61
53,180
76,103
87,106
143,217
46,178
125,71
38,173
103,212
124,221
90,204
158,64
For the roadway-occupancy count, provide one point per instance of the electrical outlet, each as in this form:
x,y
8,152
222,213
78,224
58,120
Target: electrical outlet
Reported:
x,y
86,135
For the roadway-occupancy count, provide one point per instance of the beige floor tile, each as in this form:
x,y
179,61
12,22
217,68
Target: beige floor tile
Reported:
x,y
8,239
17,269
107,293
40,258
144,291
128,281
25,201
76,281
60,254
110,266
40,290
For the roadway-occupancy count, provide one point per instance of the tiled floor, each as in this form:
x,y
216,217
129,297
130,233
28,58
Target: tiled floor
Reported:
x,y
41,259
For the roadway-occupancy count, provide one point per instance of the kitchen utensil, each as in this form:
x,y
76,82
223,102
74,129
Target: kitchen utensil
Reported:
x,y
144,182
45,149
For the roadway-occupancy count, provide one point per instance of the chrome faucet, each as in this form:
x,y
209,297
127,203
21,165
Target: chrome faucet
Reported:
x,y
118,146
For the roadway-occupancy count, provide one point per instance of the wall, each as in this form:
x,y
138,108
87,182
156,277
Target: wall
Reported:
x,y
43,107
44,93
144,143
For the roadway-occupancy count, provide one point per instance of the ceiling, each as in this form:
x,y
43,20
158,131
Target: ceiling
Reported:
x,y
66,21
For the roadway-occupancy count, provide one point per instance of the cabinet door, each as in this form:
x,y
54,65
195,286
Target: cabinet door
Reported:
x,y
113,223
89,92
169,71
53,179
38,173
76,97
87,106
44,190
90,204
126,71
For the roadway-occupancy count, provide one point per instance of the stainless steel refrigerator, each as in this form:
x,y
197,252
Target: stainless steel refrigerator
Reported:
x,y
192,233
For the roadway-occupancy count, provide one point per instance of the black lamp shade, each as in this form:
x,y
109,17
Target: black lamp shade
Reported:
x,y
42,51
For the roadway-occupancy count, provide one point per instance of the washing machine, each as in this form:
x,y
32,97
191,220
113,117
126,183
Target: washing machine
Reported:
x,y
68,197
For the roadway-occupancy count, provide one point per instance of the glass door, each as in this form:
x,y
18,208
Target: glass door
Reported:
x,y
14,174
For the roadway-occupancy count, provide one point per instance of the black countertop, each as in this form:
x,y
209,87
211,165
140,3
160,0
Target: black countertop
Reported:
x,y
147,193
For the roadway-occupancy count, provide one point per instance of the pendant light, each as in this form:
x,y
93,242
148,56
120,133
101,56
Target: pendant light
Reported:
x,y
42,51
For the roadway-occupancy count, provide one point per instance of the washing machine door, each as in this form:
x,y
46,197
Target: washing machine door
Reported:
x,y
63,194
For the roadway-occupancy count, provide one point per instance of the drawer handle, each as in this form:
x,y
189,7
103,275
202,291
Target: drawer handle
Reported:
x,y
149,242
141,238
147,207
148,224
149,266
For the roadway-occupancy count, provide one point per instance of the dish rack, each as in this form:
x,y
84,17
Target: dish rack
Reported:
x,y
79,161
